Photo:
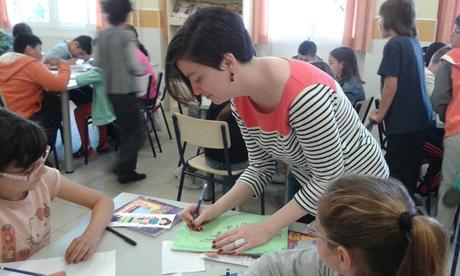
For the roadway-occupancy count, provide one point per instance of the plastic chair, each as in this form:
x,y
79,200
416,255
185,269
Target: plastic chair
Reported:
x,y
206,134
363,108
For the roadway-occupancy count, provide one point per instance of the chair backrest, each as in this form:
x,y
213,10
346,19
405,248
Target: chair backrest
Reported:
x,y
381,128
201,133
363,108
159,80
143,83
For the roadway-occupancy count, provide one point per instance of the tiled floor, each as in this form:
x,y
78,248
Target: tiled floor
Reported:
x,y
160,182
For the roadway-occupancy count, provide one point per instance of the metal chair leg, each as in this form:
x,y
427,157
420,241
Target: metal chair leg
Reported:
x,y
166,121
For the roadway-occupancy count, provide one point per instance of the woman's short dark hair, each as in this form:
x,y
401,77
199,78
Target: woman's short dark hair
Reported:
x,y
117,10
205,38
347,57
22,142
23,40
21,28
399,15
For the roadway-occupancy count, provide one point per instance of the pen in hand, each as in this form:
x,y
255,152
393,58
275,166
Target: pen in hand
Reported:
x,y
125,238
196,213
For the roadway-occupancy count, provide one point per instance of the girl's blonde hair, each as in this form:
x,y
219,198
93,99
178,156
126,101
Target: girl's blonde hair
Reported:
x,y
376,220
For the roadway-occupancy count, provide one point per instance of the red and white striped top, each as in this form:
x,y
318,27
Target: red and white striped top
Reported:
x,y
314,129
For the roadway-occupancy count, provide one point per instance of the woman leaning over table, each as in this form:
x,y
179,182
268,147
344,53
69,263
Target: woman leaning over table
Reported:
x,y
287,110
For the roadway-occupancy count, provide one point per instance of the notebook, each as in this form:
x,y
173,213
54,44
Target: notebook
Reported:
x,y
201,241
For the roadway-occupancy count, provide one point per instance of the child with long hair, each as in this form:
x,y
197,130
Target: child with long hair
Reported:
x,y
365,226
343,63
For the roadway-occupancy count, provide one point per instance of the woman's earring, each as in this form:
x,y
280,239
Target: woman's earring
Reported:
x,y
232,77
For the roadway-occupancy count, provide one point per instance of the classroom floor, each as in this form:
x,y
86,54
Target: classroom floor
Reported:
x,y
160,182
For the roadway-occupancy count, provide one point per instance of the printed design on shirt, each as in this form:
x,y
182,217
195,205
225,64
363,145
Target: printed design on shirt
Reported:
x,y
9,250
39,225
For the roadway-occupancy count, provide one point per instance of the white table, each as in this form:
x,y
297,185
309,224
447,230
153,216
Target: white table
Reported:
x,y
143,259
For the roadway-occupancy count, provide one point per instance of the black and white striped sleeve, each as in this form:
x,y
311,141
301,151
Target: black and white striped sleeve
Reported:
x,y
261,164
312,118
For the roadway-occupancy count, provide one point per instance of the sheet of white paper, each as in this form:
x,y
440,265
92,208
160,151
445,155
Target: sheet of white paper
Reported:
x,y
173,262
101,264
237,260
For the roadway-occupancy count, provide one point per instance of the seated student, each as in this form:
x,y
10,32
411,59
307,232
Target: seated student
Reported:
x,y
79,48
6,42
27,188
21,28
238,153
345,67
433,67
307,52
23,79
365,226
428,51
100,110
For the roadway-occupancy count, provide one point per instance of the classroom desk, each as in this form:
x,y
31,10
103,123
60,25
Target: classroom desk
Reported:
x,y
143,259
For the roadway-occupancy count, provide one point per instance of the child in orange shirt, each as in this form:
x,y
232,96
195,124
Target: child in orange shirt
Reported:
x,y
27,188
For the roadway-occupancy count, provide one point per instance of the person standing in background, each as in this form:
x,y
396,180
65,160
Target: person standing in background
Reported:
x,y
116,56
405,107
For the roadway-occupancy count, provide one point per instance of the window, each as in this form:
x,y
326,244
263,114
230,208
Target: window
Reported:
x,y
306,19
53,13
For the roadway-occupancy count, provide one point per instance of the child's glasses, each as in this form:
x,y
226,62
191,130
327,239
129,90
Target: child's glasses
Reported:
x,y
312,232
33,171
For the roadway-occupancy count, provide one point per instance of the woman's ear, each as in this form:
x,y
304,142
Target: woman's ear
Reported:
x,y
344,259
229,62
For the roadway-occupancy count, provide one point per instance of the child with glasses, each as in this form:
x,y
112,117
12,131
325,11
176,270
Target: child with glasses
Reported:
x,y
365,226
27,187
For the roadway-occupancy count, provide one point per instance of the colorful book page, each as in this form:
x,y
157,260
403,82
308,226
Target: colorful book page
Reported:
x,y
144,205
142,220
201,241
298,241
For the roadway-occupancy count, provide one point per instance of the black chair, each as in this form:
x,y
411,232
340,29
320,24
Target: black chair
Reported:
x,y
205,134
159,103
363,108
149,107
381,128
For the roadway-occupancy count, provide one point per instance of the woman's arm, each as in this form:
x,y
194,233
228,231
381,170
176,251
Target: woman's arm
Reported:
x,y
84,246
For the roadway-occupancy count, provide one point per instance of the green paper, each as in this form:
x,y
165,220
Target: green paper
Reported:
x,y
201,241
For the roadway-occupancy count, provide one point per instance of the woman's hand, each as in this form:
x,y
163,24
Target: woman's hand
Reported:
x,y
241,239
81,249
206,213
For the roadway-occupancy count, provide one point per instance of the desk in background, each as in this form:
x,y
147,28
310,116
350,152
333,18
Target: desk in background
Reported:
x,y
143,259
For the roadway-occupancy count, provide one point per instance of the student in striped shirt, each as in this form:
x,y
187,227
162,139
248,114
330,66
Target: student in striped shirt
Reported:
x,y
287,110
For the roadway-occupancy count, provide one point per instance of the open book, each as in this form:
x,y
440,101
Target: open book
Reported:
x,y
143,206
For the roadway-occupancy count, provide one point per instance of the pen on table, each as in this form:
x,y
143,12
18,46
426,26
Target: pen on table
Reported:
x,y
196,213
125,238
21,271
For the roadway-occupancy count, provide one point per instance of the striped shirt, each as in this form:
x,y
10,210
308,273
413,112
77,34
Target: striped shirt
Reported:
x,y
314,129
